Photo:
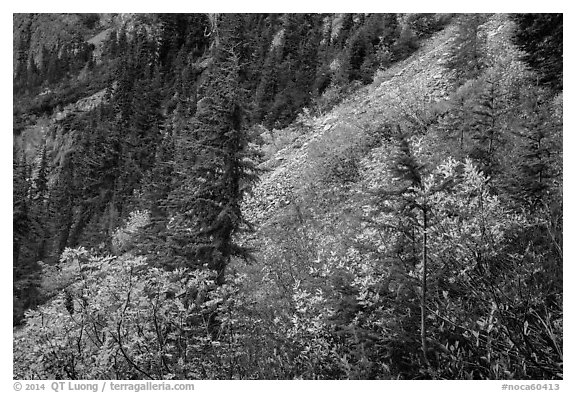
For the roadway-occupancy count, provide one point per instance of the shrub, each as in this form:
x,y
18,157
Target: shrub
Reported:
x,y
335,157
121,319
124,237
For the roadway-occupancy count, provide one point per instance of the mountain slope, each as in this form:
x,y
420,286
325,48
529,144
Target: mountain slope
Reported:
x,y
335,251
415,82
412,231
401,95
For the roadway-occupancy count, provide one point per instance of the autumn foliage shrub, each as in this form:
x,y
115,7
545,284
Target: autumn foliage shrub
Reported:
x,y
323,304
335,156
118,318
121,319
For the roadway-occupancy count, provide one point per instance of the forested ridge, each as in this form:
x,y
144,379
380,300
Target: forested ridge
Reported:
x,y
287,196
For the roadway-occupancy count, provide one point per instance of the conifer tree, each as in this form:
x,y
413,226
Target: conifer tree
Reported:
x,y
147,120
61,207
21,219
488,123
454,125
267,87
110,49
212,161
405,204
21,67
413,205
540,37
25,267
39,205
158,184
466,59
532,177
41,181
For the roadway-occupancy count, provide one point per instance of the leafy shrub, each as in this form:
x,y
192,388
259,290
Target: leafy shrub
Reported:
x,y
123,238
473,329
122,319
336,155
276,140
334,95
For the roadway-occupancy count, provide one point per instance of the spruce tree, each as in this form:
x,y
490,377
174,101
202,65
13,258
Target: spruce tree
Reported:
x,y
21,219
540,37
158,184
61,207
488,123
39,205
454,125
404,204
533,177
25,266
413,211
214,169
41,180
466,54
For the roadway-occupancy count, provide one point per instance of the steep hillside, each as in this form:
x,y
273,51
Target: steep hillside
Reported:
x,y
399,94
326,240
114,70
411,85
410,94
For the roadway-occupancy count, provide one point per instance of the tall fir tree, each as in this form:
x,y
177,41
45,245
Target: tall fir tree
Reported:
x,y
25,233
488,125
533,177
214,169
466,54
20,200
61,206
404,204
41,180
540,37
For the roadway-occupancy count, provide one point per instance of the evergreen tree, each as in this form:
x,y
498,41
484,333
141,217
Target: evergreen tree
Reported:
x,y
289,70
407,211
413,209
39,205
455,123
158,185
488,123
267,87
21,50
406,42
346,26
25,231
214,170
533,177
466,58
44,61
541,38
33,78
110,49
41,180
61,207
21,219
147,118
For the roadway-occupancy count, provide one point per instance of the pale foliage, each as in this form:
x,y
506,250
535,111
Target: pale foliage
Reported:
x,y
123,237
121,319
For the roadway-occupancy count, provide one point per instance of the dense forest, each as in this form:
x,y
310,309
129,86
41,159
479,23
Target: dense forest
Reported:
x,y
287,196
